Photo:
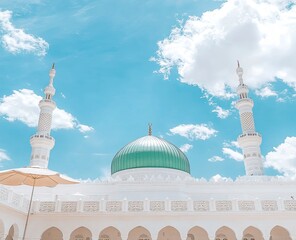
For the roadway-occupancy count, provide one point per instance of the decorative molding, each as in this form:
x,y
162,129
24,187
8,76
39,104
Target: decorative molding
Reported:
x,y
114,206
201,206
246,205
91,206
178,206
223,205
290,205
157,206
4,194
69,206
269,205
16,199
135,206
47,207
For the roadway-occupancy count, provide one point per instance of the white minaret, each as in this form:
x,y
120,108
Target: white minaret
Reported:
x,y
42,142
250,140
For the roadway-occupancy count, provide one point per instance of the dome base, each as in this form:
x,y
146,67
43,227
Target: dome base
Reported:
x,y
151,174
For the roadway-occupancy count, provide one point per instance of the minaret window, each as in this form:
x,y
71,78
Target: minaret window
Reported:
x,y
48,96
243,95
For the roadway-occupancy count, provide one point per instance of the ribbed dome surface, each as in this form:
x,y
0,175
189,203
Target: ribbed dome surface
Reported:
x,y
150,152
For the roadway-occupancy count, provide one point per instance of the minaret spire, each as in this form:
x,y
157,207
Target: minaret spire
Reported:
x,y
51,75
239,72
42,142
249,140
149,129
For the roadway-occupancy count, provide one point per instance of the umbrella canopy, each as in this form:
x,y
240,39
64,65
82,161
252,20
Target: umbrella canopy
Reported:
x,y
41,177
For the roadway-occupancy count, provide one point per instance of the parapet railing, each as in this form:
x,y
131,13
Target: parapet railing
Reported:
x,y
245,100
19,202
249,134
42,136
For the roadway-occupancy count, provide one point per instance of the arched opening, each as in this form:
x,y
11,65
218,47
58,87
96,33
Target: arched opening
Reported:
x,y
10,234
225,233
252,233
197,233
139,233
279,233
110,233
52,233
81,233
168,233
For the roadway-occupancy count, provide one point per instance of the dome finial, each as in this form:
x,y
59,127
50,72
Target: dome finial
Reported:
x,y
52,73
239,72
149,129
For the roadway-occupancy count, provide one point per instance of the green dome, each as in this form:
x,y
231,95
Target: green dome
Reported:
x,y
150,152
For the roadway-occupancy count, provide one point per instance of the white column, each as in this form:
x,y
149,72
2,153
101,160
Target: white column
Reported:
x,y
266,235
249,140
42,142
239,233
66,234
154,233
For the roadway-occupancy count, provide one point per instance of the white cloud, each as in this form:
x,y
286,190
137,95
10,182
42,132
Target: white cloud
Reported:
x,y
192,132
22,105
3,155
219,178
15,40
235,144
105,173
216,159
84,128
283,157
235,155
261,33
231,144
280,99
186,147
221,113
266,92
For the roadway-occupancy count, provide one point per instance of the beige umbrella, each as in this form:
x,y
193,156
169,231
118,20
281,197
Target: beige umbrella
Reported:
x,y
41,177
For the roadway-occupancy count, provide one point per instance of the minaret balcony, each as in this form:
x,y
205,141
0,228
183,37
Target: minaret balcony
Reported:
x,y
41,140
244,102
47,103
249,139
250,134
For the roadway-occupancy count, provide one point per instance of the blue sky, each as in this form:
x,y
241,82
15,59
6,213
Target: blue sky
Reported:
x,y
123,64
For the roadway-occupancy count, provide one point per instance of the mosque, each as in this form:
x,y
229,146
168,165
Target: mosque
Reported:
x,y
151,194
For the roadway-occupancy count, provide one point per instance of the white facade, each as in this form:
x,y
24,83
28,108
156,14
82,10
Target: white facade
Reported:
x,y
260,207
157,203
